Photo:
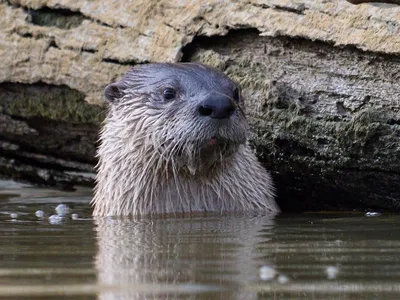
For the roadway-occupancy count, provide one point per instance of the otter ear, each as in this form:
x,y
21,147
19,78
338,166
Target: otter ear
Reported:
x,y
113,92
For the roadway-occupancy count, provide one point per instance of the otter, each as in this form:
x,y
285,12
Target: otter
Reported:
x,y
175,141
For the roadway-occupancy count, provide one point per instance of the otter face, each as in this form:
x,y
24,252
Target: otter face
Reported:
x,y
188,110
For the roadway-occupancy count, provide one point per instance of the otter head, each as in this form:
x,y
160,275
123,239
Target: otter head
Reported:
x,y
187,113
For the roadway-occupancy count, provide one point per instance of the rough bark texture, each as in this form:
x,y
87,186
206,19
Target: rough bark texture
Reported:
x,y
320,77
328,121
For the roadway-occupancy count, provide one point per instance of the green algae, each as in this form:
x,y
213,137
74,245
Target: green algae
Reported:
x,y
278,114
59,103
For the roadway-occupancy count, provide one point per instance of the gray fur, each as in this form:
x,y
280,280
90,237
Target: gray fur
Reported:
x,y
154,155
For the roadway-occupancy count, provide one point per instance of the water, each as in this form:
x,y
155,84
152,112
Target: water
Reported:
x,y
303,256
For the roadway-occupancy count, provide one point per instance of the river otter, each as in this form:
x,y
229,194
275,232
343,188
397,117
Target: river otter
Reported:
x,y
174,141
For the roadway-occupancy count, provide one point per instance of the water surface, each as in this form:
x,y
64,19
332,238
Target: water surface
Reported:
x,y
303,256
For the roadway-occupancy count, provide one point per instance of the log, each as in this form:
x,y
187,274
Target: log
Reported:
x,y
325,127
320,80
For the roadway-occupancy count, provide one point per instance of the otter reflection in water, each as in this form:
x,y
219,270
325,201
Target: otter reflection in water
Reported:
x,y
174,141
213,257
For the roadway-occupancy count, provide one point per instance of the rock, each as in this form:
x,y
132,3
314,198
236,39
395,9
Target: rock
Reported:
x,y
320,79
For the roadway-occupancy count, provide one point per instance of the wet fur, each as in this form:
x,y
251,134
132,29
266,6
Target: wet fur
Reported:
x,y
154,156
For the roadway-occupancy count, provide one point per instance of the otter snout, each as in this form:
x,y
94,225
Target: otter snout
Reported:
x,y
217,107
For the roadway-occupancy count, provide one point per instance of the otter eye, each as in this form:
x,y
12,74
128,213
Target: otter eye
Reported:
x,y
236,94
169,94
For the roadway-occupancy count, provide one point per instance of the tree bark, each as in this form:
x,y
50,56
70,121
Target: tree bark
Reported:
x,y
320,80
328,123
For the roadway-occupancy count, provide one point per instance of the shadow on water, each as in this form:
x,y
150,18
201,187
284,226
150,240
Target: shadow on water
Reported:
x,y
303,256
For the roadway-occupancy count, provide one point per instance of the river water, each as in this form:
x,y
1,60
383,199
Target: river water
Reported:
x,y
302,256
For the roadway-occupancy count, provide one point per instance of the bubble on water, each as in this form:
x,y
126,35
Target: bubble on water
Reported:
x,y
39,214
282,279
55,219
74,216
373,214
332,272
62,209
13,216
267,273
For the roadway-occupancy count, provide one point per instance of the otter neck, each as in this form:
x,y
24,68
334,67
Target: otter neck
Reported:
x,y
134,177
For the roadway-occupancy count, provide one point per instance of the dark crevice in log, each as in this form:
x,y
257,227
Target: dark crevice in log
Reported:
x,y
393,122
53,44
397,2
120,62
299,10
60,18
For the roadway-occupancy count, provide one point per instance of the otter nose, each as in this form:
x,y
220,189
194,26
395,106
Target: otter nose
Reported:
x,y
217,107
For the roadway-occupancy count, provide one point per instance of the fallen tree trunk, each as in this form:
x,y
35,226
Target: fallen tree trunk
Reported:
x,y
328,122
320,79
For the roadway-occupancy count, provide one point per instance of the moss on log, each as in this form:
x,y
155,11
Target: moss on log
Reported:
x,y
325,120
